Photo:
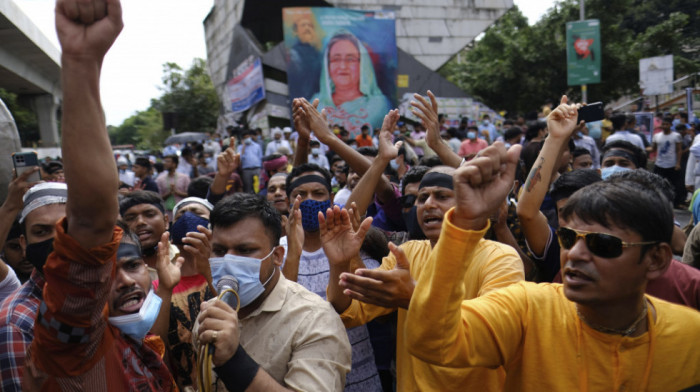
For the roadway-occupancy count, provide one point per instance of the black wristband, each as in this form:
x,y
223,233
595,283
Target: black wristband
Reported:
x,y
238,372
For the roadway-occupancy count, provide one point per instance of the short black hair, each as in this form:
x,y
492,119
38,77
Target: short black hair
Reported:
x,y
512,132
144,162
306,168
638,153
199,187
140,197
618,121
430,161
175,158
314,143
533,128
368,151
413,175
570,182
647,178
128,235
233,209
620,203
579,151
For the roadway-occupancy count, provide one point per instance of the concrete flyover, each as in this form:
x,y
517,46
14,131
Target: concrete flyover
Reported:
x,y
30,67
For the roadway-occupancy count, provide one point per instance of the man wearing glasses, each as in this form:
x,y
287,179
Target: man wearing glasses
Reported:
x,y
597,331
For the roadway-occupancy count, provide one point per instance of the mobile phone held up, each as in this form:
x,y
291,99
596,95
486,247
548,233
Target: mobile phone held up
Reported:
x,y
26,161
591,112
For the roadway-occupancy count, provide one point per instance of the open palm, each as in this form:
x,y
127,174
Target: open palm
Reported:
x,y
340,241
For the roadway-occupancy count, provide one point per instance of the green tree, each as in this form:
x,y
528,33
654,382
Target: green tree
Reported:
x,y
25,118
144,130
191,95
517,67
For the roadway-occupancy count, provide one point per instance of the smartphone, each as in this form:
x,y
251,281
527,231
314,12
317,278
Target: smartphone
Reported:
x,y
591,112
25,161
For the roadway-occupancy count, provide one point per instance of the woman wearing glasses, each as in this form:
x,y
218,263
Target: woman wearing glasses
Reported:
x,y
349,89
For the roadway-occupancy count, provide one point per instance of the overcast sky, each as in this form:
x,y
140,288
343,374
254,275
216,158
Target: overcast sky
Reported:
x,y
156,32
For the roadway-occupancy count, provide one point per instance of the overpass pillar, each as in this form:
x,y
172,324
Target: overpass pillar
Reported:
x,y
46,107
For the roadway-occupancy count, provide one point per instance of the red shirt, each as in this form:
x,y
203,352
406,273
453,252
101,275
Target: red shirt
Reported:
x,y
74,344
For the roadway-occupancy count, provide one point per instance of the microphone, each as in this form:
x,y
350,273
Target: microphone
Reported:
x,y
225,283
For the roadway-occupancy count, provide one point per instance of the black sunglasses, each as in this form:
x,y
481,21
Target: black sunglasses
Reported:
x,y
600,244
407,201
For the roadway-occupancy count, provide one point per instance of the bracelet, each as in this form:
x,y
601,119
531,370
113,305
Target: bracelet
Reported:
x,y
238,372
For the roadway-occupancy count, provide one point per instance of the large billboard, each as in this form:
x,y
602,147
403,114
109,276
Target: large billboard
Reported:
x,y
345,58
583,55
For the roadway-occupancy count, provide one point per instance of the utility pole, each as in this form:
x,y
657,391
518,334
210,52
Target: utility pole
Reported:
x,y
584,87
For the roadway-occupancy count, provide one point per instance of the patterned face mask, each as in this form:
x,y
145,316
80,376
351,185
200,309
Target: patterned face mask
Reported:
x,y
309,213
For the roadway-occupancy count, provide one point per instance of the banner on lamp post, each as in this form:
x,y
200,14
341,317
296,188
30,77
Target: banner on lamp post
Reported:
x,y
583,55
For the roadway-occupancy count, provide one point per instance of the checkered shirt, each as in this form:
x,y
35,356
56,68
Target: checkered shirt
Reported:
x,y
17,314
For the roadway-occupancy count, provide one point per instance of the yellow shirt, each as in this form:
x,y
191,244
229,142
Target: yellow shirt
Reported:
x,y
533,331
492,266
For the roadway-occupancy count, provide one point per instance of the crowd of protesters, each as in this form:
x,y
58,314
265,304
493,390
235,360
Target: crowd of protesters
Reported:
x,y
413,257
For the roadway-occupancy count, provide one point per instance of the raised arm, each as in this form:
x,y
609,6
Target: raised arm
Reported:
x,y
226,163
428,113
363,193
462,340
301,123
561,125
341,244
358,163
80,270
86,30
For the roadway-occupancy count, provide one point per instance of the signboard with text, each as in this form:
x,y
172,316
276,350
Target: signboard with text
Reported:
x,y
583,56
247,87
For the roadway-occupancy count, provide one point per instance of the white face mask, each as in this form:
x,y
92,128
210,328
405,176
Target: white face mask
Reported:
x,y
138,324
246,270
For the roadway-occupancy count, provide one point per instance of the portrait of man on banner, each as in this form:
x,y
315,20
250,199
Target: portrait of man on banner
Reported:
x,y
354,74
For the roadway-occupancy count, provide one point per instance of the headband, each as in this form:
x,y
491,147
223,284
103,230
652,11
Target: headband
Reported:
x,y
42,195
190,200
132,201
616,152
127,249
307,179
436,179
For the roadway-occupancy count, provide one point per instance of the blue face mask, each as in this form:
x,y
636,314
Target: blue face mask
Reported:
x,y
247,141
394,165
246,270
609,171
471,135
186,223
138,324
309,213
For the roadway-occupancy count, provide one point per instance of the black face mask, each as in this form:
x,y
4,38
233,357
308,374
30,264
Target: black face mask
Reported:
x,y
410,218
39,252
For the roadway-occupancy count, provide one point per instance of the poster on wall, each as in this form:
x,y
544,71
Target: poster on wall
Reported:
x,y
247,86
345,58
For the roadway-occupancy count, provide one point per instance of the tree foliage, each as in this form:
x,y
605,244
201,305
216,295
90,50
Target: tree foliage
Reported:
x,y
191,95
517,67
144,130
25,118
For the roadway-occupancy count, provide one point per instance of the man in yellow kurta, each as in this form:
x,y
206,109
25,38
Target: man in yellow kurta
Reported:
x,y
389,287
596,332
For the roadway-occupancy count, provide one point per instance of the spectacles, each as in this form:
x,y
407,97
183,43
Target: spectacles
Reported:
x,y
350,60
600,244
407,201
